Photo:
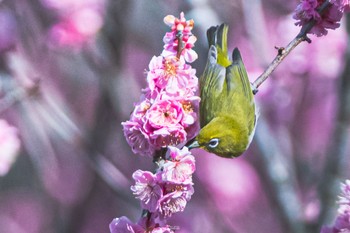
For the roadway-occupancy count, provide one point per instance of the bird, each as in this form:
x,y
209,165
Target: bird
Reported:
x,y
227,109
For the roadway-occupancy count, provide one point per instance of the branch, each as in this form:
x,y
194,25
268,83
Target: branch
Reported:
x,y
283,52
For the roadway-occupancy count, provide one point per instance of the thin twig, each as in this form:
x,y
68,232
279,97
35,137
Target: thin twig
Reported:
x,y
283,52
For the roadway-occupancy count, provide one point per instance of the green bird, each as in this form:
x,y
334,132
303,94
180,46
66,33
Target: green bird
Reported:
x,y
227,107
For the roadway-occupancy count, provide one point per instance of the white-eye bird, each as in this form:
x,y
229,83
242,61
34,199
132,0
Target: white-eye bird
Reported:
x,y
227,107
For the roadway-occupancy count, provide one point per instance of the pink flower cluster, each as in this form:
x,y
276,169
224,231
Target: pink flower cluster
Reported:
x,y
180,28
9,146
161,194
166,114
342,223
308,10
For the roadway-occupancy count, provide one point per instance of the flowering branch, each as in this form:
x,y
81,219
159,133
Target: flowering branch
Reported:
x,y
161,123
308,25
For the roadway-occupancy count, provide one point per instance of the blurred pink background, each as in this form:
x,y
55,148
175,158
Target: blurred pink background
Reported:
x,y
70,72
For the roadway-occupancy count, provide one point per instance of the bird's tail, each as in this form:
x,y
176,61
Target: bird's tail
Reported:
x,y
217,36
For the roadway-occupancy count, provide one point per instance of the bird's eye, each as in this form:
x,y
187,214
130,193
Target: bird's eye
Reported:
x,y
213,143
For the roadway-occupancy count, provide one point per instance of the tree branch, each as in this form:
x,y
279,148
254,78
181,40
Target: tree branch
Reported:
x,y
283,52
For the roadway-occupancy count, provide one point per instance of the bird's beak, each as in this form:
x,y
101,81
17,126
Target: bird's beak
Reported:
x,y
193,145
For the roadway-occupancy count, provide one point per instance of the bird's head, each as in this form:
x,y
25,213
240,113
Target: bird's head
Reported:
x,y
222,136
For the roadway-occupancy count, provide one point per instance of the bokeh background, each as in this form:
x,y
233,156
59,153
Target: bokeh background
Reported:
x,y
70,72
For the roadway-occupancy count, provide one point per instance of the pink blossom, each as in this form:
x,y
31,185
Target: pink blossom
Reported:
x,y
141,109
167,121
157,75
171,75
9,146
167,112
166,116
146,189
172,203
307,10
190,107
180,166
186,190
163,122
164,113
137,138
175,200
173,135
180,35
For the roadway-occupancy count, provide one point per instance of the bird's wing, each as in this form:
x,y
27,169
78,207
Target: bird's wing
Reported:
x,y
237,78
213,77
211,85
238,90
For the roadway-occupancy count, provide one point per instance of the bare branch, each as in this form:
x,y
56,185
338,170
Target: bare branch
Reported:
x,y
283,52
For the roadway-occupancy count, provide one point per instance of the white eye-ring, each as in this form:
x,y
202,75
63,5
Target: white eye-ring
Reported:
x,y
213,143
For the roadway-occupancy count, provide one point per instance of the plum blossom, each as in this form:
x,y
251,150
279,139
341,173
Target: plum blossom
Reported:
x,y
147,190
168,190
164,113
138,138
167,112
164,123
342,222
181,28
167,121
9,146
180,166
308,10
172,76
175,199
165,117
172,203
